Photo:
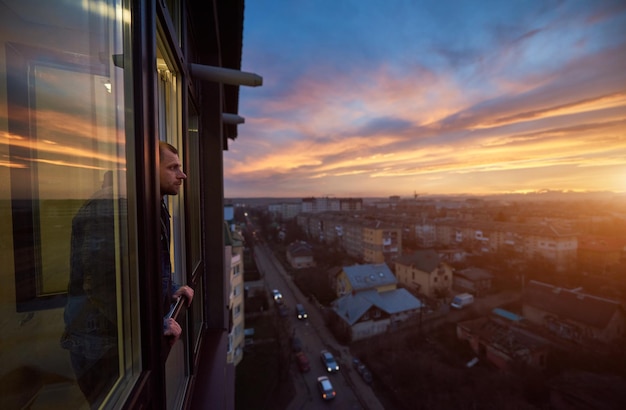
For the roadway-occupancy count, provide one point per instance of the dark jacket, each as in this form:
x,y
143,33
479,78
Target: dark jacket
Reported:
x,y
91,312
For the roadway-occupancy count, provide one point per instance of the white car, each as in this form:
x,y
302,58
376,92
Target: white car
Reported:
x,y
278,297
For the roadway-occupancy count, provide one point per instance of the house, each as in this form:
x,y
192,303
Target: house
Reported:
x,y
367,313
574,315
424,272
473,280
300,255
358,278
504,342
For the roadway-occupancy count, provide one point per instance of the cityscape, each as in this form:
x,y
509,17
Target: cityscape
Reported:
x,y
414,296
301,205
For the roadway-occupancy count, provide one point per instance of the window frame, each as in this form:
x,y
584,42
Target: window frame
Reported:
x,y
22,61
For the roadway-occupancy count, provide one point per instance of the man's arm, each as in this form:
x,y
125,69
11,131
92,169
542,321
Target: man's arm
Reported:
x,y
185,291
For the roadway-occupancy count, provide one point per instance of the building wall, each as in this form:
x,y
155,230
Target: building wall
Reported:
x,y
363,330
424,282
300,262
236,307
381,244
577,331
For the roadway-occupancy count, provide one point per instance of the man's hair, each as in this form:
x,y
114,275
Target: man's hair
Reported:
x,y
166,146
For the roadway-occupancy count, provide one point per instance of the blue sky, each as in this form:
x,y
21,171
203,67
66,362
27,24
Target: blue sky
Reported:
x,y
373,98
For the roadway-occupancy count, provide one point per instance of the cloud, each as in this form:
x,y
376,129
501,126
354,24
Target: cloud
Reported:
x,y
541,94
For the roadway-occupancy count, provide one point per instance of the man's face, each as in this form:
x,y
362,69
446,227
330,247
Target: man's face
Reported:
x,y
170,173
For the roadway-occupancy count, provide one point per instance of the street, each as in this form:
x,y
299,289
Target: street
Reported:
x,y
314,337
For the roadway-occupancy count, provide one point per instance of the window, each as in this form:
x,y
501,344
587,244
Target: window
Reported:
x,y
169,98
192,190
75,291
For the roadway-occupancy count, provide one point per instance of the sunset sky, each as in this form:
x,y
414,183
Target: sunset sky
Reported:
x,y
378,98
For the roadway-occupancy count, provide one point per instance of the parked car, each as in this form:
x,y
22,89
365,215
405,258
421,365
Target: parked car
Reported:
x,y
283,311
329,362
303,362
462,300
361,369
296,344
300,312
278,297
326,388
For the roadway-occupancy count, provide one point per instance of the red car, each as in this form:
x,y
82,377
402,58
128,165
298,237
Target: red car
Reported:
x,y
303,362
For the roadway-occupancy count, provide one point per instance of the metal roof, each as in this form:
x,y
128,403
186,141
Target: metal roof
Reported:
x,y
362,277
353,306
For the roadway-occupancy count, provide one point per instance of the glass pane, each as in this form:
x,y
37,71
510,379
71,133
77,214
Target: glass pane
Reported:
x,y
170,130
63,218
193,204
193,189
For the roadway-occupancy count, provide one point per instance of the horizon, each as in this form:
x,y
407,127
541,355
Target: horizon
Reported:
x,y
620,195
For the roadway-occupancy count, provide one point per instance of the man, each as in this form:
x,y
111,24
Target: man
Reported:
x,y
171,177
90,314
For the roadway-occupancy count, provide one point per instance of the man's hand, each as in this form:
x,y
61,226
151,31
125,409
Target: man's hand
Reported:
x,y
185,291
172,329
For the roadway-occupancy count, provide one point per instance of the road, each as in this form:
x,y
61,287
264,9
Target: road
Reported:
x,y
352,392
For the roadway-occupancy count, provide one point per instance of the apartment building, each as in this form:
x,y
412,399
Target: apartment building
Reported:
x,y
382,242
324,204
558,244
373,241
234,253
285,210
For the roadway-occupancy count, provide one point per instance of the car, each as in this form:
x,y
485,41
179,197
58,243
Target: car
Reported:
x,y
303,362
326,388
361,369
283,311
278,297
300,312
296,344
329,362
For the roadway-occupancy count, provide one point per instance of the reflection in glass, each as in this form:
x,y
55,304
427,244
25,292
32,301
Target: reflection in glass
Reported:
x,y
62,127
91,312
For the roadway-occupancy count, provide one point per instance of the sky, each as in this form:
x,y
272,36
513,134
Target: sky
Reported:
x,y
365,98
